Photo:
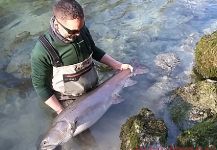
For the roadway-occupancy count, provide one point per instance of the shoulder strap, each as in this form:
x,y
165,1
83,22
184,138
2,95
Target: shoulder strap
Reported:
x,y
51,50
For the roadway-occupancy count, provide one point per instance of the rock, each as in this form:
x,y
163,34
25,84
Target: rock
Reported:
x,y
193,103
202,134
22,36
205,56
202,94
143,130
167,61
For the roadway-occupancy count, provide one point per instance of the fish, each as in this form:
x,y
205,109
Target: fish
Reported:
x,y
87,110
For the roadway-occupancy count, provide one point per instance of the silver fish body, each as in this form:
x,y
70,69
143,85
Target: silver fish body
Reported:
x,y
86,111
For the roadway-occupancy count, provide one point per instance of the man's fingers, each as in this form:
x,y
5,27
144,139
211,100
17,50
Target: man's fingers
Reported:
x,y
127,66
131,68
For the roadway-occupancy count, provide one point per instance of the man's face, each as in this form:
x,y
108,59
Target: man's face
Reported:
x,y
69,29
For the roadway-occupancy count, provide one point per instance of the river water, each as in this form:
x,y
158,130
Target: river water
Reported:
x,y
145,32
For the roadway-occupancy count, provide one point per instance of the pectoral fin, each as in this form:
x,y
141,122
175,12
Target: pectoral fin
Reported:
x,y
129,82
73,126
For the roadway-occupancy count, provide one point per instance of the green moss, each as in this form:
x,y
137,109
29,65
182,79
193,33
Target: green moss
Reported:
x,y
203,134
197,90
193,103
129,136
205,56
179,111
142,129
195,76
201,94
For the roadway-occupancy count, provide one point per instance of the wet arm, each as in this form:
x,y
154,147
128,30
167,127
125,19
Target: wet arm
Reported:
x,y
41,79
54,104
108,60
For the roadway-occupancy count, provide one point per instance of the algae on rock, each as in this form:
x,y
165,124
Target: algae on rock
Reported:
x,y
205,56
143,130
193,103
202,94
203,134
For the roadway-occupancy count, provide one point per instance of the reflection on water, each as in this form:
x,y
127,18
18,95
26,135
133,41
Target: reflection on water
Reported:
x,y
131,31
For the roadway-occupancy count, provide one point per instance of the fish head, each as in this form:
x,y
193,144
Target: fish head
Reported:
x,y
51,141
57,134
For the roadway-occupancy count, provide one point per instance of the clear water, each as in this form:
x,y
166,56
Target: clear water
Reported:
x,y
131,31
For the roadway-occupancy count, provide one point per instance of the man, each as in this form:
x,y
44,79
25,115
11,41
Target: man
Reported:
x,y
62,67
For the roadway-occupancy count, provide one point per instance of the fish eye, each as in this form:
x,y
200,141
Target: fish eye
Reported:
x,y
44,142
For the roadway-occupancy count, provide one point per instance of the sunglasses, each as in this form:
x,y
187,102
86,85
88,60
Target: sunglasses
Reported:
x,y
68,30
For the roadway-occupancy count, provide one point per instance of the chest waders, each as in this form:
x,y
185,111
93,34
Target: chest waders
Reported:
x,y
70,81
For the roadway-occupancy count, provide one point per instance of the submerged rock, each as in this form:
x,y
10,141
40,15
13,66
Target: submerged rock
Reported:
x,y
167,61
143,130
205,56
203,134
22,36
19,64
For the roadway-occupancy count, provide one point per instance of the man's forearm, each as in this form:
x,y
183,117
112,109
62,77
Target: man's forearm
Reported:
x,y
54,104
108,60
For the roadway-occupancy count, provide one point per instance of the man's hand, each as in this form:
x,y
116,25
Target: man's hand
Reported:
x,y
126,66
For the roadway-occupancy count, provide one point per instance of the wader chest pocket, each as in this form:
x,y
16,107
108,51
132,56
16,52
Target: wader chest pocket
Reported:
x,y
79,83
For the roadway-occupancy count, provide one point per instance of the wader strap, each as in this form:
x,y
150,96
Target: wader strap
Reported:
x,y
51,50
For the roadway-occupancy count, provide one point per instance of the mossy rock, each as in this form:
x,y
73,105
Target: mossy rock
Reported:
x,y
193,103
205,56
202,94
203,134
143,129
195,76
179,111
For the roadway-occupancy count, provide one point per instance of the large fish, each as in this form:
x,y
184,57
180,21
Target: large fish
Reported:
x,y
86,110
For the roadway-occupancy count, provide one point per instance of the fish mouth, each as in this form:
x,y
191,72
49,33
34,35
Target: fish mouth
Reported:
x,y
48,147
